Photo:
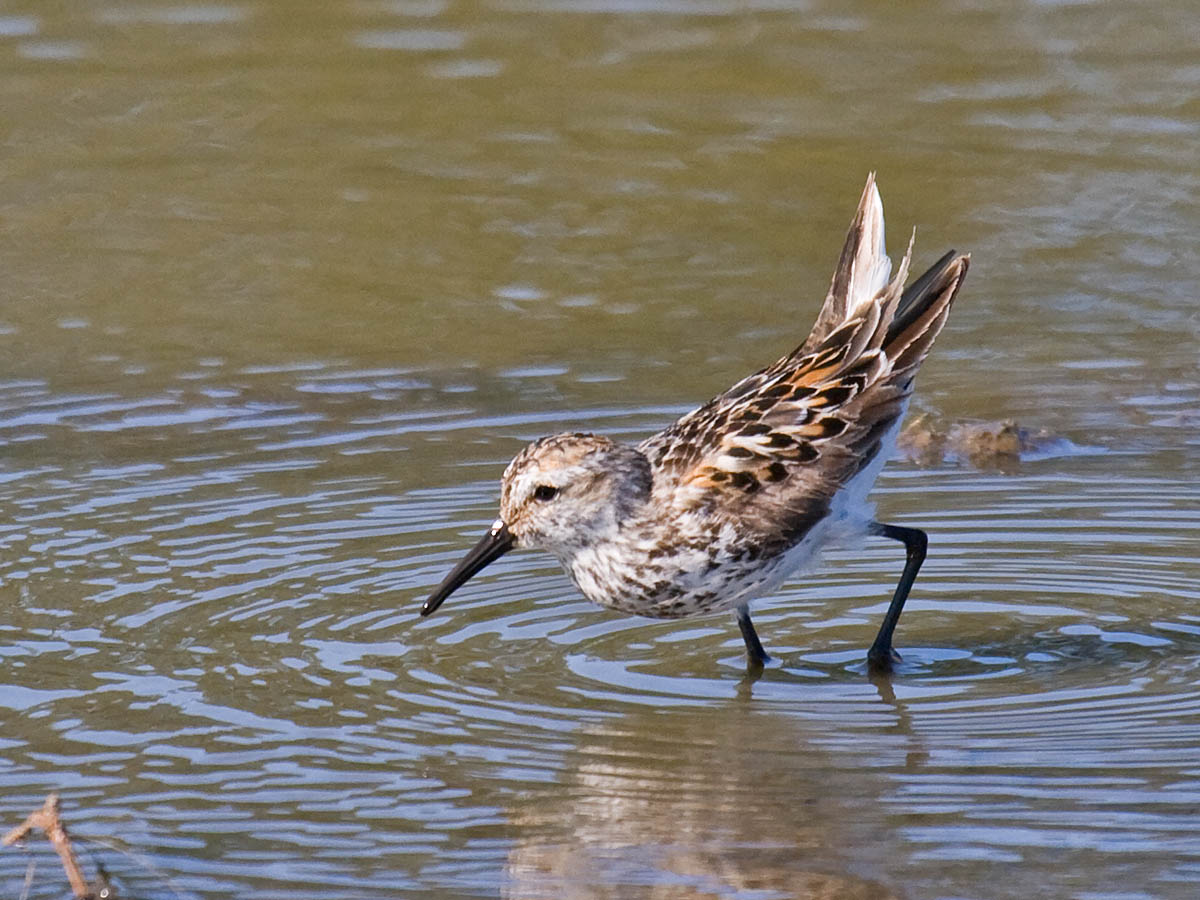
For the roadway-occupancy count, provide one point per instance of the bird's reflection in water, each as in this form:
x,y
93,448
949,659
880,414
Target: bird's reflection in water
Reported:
x,y
690,802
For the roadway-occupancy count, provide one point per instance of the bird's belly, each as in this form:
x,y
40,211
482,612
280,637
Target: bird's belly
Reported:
x,y
687,584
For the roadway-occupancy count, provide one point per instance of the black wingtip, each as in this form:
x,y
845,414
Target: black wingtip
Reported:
x,y
918,295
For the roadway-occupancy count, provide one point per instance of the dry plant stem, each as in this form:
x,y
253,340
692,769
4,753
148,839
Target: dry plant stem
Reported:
x,y
47,820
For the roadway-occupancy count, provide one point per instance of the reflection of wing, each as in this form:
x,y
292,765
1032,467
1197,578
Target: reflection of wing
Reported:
x,y
778,445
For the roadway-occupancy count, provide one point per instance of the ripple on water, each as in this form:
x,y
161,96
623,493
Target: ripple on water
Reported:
x,y
257,677
211,560
1050,688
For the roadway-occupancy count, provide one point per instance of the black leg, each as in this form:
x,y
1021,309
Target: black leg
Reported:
x,y
756,656
881,655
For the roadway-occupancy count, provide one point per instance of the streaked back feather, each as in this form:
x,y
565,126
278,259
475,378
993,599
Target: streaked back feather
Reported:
x,y
784,441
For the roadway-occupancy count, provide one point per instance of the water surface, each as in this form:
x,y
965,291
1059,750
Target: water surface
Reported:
x,y
287,285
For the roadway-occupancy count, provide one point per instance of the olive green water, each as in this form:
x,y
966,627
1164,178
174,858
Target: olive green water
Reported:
x,y
285,285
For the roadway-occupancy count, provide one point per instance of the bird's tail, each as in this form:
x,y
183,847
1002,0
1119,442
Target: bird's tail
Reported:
x,y
922,312
901,322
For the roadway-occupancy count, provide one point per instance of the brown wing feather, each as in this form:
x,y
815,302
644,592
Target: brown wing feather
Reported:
x,y
832,341
836,307
778,445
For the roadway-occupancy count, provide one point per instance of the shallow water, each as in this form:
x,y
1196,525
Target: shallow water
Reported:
x,y
286,286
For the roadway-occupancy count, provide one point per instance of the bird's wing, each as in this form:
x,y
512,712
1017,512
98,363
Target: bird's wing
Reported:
x,y
779,444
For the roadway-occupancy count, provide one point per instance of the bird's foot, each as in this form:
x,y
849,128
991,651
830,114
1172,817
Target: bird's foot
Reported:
x,y
882,660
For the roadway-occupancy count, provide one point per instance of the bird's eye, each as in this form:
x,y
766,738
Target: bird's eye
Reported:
x,y
544,492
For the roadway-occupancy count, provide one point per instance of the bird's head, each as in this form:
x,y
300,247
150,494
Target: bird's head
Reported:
x,y
561,493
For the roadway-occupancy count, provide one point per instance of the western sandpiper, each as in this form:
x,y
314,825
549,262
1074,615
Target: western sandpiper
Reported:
x,y
736,496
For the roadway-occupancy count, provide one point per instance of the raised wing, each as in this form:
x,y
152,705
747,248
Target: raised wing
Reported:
x,y
778,445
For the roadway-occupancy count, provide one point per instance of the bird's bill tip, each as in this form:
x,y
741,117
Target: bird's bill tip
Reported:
x,y
498,541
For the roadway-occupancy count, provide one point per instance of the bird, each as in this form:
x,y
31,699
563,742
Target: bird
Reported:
x,y
740,494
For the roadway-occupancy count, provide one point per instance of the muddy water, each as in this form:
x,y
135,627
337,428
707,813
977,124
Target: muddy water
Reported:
x,y
284,287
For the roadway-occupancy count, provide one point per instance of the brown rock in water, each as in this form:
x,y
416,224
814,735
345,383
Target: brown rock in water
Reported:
x,y
921,442
985,445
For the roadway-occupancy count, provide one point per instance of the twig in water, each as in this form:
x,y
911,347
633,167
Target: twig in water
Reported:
x,y
47,820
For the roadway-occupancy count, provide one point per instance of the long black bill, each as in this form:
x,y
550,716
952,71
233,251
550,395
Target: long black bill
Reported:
x,y
494,545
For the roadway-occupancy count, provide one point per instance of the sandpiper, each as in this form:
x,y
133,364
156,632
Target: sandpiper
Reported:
x,y
729,501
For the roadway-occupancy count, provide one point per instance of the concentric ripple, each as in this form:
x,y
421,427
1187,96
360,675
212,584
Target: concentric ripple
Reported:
x,y
286,285
238,679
